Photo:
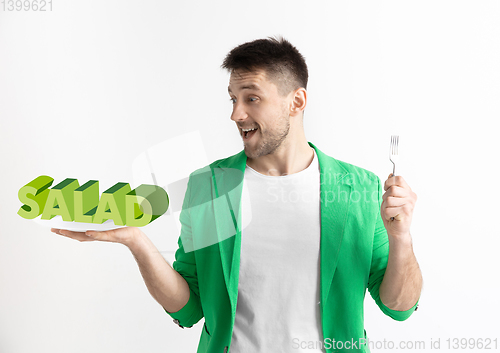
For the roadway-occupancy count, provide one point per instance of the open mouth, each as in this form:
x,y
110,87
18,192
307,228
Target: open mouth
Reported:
x,y
248,134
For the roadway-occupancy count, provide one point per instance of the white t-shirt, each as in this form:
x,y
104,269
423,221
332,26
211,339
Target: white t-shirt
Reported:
x,y
278,292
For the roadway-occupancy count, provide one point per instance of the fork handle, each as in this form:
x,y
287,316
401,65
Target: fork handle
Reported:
x,y
393,175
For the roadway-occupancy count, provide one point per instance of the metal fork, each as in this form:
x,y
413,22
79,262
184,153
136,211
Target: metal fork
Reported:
x,y
393,155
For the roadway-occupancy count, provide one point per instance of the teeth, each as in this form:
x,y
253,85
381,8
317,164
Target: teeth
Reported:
x,y
245,130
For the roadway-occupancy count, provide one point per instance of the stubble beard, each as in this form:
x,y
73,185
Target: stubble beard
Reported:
x,y
269,140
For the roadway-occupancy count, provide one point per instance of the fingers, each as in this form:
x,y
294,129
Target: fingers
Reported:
x,y
397,181
394,202
106,235
80,236
399,213
398,208
395,191
122,235
390,213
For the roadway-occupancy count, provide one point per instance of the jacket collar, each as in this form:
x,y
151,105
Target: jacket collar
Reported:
x,y
335,190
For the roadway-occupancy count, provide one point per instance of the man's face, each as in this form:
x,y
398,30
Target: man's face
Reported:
x,y
257,104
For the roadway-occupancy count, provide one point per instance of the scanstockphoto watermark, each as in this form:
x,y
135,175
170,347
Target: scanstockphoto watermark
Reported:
x,y
331,343
365,195
464,344
327,176
333,187
328,343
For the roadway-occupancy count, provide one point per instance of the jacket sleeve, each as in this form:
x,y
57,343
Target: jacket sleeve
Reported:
x,y
185,265
380,256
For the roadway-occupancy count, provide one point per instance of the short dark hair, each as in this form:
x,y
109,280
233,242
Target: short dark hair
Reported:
x,y
277,57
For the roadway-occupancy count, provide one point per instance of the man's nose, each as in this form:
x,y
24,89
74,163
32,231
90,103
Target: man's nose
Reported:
x,y
238,113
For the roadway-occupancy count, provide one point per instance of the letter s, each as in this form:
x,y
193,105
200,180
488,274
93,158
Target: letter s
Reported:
x,y
34,195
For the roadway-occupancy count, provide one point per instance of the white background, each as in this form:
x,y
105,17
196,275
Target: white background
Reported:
x,y
89,86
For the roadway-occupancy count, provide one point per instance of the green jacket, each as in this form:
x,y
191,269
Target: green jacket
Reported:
x,y
354,250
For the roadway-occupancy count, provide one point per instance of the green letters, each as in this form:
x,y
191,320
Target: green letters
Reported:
x,y
60,200
144,204
133,208
34,195
86,201
112,204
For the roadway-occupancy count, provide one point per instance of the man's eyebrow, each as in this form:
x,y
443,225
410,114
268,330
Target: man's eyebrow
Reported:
x,y
250,86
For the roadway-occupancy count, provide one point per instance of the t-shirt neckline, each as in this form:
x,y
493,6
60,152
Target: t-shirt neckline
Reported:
x,y
309,167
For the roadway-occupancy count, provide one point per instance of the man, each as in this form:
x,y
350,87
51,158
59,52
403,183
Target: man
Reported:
x,y
279,242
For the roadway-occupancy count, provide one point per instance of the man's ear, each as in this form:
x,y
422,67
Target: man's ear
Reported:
x,y
299,101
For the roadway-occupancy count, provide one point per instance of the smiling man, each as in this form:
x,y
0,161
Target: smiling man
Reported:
x,y
319,232
294,279
269,96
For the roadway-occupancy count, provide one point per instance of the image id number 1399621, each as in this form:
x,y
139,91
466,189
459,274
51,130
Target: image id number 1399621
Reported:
x,y
472,343
26,5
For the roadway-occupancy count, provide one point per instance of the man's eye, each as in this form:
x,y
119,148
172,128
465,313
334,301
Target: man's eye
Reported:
x,y
251,99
